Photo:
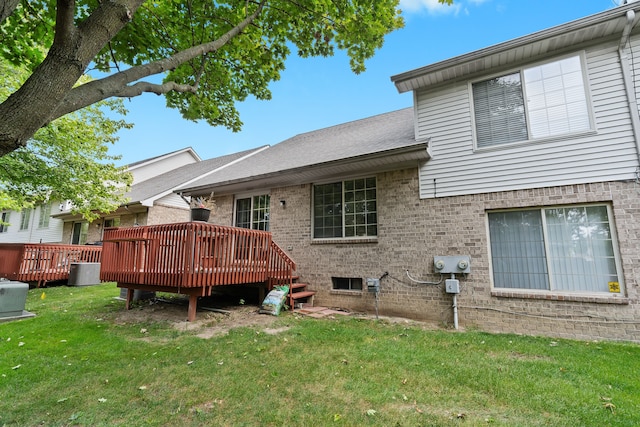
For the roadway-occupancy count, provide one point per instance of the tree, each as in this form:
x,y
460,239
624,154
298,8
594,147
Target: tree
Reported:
x,y
210,54
65,160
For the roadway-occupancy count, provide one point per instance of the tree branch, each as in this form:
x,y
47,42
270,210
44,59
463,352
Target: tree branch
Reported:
x,y
65,26
116,84
159,89
7,7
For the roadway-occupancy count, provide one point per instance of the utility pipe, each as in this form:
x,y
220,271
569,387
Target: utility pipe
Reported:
x,y
628,81
455,306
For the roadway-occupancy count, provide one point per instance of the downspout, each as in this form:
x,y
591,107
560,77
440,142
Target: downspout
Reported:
x,y
628,84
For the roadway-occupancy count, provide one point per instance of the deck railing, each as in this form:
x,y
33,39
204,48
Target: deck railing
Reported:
x,y
43,262
191,255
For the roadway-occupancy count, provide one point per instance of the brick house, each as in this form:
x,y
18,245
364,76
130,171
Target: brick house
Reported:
x,y
523,157
152,199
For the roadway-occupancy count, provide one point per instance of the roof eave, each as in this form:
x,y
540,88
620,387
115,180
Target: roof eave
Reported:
x,y
414,79
383,161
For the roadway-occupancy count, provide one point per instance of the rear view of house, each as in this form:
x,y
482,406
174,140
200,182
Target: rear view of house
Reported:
x,y
506,199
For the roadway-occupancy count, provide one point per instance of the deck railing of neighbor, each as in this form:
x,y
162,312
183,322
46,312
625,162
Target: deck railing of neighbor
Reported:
x,y
43,262
191,258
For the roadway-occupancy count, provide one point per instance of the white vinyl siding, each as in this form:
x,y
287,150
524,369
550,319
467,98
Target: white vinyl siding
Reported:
x,y
173,200
150,169
606,154
33,234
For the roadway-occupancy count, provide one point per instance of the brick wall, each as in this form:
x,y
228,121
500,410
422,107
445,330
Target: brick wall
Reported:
x,y
412,231
163,214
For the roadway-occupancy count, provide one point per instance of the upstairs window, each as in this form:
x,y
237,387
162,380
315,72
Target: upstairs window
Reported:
x,y
536,102
25,216
345,209
564,249
45,214
4,221
253,212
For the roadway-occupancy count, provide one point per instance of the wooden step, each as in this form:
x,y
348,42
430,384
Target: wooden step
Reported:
x,y
297,286
302,294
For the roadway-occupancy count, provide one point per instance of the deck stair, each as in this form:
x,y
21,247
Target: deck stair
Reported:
x,y
298,293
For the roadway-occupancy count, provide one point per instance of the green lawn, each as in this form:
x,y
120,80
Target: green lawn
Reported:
x,y
78,364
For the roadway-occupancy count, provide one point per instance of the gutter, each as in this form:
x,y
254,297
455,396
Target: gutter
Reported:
x,y
422,148
628,83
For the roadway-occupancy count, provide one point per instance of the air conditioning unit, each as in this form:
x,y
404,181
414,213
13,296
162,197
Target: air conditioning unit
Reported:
x,y
13,297
84,273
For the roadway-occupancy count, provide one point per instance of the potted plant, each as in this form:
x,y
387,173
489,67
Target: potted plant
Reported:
x,y
201,207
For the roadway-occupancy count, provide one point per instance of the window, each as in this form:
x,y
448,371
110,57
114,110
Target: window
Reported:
x,y
253,212
347,283
4,222
345,209
45,214
565,249
80,231
537,102
112,222
25,215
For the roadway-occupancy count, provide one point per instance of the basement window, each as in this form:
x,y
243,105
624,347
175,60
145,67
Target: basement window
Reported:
x,y
347,283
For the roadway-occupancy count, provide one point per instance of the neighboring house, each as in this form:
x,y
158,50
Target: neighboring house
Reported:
x,y
523,156
32,225
152,199
52,222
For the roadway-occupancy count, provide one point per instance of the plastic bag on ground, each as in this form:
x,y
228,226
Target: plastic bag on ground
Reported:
x,y
274,301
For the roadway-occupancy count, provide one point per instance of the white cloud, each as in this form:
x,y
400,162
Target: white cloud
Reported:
x,y
431,6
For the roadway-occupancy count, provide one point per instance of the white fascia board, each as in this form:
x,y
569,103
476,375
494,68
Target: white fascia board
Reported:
x,y
151,200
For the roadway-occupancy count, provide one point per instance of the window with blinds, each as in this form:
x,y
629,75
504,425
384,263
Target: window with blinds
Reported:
x,y
565,249
536,102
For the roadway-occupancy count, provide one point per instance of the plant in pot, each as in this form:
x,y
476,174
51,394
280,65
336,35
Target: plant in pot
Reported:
x,y
201,207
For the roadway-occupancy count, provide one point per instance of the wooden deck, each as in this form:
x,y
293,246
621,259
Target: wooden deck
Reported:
x,y
192,258
42,262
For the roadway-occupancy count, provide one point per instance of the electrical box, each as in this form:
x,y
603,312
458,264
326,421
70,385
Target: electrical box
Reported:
x,y
452,264
373,285
452,286
13,297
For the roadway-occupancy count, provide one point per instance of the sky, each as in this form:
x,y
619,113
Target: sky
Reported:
x,y
320,92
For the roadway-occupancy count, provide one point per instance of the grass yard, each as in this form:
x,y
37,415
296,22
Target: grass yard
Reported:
x,y
84,361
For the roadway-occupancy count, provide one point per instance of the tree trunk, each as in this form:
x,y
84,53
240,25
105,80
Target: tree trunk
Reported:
x,y
31,106
6,8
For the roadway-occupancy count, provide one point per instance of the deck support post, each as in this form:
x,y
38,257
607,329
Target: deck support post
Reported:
x,y
130,292
193,306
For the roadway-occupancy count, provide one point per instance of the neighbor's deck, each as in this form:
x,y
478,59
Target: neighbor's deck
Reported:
x,y
43,262
192,258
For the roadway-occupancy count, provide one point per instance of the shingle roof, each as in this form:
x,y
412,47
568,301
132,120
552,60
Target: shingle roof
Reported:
x,y
352,140
151,159
168,181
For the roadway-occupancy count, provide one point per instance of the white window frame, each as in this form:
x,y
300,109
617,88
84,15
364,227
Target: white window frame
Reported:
x,y
252,197
552,288
45,215
25,217
522,71
343,235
